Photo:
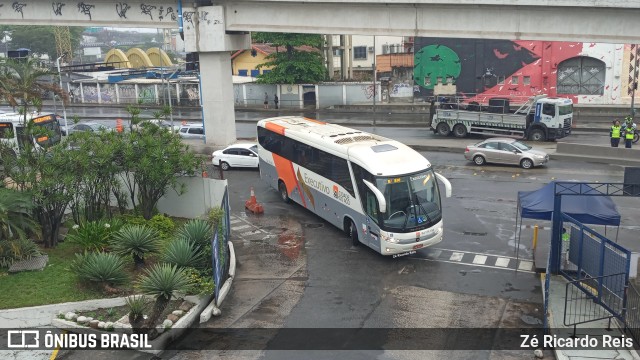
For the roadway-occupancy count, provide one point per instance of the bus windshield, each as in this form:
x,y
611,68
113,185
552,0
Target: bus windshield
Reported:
x,y
413,201
46,131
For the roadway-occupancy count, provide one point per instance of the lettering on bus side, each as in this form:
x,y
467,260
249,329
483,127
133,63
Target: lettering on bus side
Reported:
x,y
320,186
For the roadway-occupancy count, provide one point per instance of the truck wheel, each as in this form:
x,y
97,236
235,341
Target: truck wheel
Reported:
x,y
443,129
460,131
526,163
537,135
479,160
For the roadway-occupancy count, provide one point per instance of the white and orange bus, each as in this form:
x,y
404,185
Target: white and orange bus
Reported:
x,y
379,191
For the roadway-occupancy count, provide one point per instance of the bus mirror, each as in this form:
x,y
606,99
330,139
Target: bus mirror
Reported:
x,y
447,184
382,203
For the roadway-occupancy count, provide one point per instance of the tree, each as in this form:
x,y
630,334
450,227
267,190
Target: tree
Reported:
x,y
292,66
39,39
21,84
152,159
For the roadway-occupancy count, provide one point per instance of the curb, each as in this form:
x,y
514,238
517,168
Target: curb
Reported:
x,y
214,308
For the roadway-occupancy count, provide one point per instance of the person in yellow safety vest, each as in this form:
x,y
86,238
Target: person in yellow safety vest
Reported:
x,y
629,132
565,244
615,132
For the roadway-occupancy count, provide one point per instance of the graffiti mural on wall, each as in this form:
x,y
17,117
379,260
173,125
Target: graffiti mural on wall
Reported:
x,y
127,93
108,93
90,93
481,68
147,94
190,94
368,91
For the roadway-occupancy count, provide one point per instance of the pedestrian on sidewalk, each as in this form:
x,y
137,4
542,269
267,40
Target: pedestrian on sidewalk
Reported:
x,y
275,100
432,110
266,100
615,132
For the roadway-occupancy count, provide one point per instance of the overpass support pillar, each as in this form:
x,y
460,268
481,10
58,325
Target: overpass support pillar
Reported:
x,y
204,32
217,98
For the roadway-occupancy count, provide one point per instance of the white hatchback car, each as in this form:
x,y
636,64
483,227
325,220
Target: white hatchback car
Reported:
x,y
236,155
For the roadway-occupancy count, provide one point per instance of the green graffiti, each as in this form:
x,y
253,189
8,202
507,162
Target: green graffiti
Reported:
x,y
433,62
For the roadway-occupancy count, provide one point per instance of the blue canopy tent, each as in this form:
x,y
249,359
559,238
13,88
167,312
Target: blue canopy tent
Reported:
x,y
595,210
588,209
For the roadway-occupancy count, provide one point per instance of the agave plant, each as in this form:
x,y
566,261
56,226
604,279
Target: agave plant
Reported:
x,y
135,240
183,253
137,306
196,231
104,268
93,235
162,281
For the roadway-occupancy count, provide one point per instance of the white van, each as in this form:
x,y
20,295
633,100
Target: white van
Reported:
x,y
191,131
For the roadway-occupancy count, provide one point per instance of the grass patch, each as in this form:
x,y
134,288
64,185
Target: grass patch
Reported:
x,y
54,284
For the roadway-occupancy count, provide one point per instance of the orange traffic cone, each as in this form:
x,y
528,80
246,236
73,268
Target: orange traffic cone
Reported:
x,y
253,205
119,127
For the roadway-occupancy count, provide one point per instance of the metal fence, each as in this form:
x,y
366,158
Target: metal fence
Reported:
x,y
587,300
587,255
220,246
632,315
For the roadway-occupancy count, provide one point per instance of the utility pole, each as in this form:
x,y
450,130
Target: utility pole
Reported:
x,y
64,108
374,80
634,85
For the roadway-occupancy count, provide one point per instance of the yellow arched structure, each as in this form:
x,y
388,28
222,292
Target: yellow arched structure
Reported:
x,y
138,58
117,57
158,57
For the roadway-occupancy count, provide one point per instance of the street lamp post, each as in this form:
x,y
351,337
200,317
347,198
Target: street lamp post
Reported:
x,y
64,108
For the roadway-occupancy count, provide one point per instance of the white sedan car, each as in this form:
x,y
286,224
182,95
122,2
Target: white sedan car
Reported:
x,y
236,155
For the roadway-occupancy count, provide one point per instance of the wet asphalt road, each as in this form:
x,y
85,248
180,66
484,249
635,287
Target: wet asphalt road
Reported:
x,y
307,274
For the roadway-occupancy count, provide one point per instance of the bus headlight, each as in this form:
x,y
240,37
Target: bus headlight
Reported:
x,y
388,237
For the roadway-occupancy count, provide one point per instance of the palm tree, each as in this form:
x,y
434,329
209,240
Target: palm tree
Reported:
x,y
15,214
21,85
162,281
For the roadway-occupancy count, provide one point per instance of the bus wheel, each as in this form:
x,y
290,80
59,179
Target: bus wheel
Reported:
x,y
443,129
353,233
284,194
460,131
537,135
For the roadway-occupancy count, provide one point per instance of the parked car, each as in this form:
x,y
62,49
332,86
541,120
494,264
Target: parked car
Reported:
x,y
191,131
236,155
90,127
163,124
505,151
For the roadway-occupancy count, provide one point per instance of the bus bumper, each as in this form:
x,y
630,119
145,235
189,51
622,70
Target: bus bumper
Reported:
x,y
410,242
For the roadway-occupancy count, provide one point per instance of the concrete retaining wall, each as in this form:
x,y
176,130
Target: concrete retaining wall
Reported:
x,y
598,154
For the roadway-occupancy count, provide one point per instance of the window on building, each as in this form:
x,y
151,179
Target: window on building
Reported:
x,y
581,76
500,80
514,80
526,80
360,52
438,80
243,72
427,81
449,80
255,72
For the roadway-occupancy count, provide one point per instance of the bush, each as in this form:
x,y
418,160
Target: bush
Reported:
x,y
183,253
104,268
164,225
16,250
201,282
135,240
93,235
137,305
196,231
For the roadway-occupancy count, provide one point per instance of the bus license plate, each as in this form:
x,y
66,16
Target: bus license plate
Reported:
x,y
417,246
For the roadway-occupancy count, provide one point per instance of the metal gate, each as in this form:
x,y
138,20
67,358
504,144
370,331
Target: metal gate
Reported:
x,y
595,265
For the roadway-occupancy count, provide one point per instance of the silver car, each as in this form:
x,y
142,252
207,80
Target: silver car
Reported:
x,y
505,151
193,131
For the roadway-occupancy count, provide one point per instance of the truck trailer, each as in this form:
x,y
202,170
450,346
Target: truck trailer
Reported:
x,y
541,118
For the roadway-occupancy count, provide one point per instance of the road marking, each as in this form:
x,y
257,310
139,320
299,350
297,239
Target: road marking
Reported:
x,y
236,228
235,221
247,233
525,265
474,253
502,262
456,256
467,264
480,259
434,254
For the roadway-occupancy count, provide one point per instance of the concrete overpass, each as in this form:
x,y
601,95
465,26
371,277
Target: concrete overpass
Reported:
x,y
216,30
